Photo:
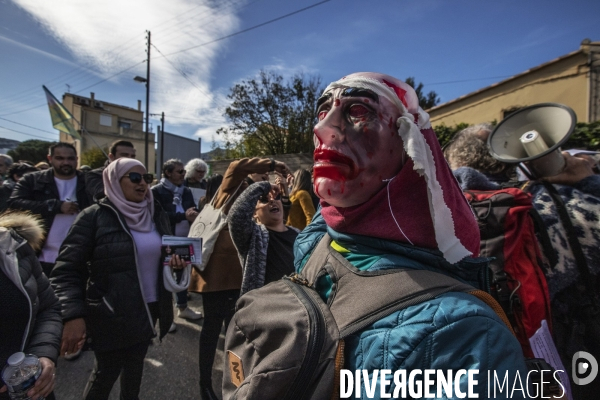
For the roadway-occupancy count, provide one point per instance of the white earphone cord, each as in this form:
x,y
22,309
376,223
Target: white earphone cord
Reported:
x,y
391,212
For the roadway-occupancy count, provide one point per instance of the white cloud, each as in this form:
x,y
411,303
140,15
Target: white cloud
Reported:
x,y
108,36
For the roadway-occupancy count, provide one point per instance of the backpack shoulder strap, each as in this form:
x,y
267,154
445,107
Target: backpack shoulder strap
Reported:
x,y
387,291
580,258
541,232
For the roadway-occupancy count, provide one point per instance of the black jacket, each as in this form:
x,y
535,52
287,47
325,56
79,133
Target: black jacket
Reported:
x,y
165,197
44,330
6,189
37,192
97,277
94,184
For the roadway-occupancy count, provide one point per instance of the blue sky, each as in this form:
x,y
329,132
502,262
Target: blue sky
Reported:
x,y
453,46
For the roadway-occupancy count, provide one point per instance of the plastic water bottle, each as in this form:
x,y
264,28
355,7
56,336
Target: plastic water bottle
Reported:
x,y
20,373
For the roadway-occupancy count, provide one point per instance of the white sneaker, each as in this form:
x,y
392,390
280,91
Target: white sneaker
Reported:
x,y
188,313
173,327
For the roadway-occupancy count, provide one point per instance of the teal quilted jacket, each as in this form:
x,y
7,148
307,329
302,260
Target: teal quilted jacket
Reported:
x,y
451,332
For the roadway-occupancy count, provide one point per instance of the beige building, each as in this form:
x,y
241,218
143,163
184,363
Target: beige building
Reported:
x,y
573,80
106,123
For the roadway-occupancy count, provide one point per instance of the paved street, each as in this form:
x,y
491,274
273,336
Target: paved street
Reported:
x,y
170,371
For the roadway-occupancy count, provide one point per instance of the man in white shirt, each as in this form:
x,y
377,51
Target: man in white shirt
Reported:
x,y
56,195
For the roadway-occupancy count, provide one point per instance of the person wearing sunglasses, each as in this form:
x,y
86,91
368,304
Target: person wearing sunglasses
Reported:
x,y
221,279
195,173
178,202
263,241
94,187
109,280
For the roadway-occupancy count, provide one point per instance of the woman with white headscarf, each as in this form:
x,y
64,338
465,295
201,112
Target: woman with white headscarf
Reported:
x,y
109,280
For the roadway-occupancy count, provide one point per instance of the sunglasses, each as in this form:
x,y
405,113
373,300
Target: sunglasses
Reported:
x,y
265,199
200,170
181,171
136,177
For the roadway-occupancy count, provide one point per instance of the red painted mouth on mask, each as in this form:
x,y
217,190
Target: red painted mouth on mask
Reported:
x,y
333,165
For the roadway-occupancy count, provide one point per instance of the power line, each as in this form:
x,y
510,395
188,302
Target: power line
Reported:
x,y
80,90
125,45
185,76
169,32
251,28
22,111
27,126
110,77
180,51
24,133
111,54
192,19
20,94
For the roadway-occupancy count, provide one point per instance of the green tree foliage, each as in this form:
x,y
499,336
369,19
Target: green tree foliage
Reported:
x,y
93,157
237,147
271,116
585,136
446,133
426,101
31,150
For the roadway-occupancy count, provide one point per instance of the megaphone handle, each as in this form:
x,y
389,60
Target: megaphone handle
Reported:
x,y
526,172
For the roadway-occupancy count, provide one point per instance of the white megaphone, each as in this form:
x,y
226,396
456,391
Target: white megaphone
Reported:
x,y
533,135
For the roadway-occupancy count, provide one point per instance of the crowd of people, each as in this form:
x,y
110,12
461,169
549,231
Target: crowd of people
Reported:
x,y
82,264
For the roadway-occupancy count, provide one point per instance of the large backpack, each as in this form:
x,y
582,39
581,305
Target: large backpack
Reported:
x,y
285,342
508,236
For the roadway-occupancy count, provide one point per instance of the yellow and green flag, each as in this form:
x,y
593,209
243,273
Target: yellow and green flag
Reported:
x,y
62,119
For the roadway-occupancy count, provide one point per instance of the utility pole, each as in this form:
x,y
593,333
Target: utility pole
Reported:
x,y
161,130
162,138
147,135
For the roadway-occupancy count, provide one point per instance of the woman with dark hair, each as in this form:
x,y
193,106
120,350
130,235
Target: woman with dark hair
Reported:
x,y
15,172
220,281
212,185
110,280
263,241
31,320
303,208
178,202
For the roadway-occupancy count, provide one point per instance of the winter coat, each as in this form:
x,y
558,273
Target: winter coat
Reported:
x,y
250,239
6,189
20,233
37,192
223,271
165,197
96,277
452,331
94,184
